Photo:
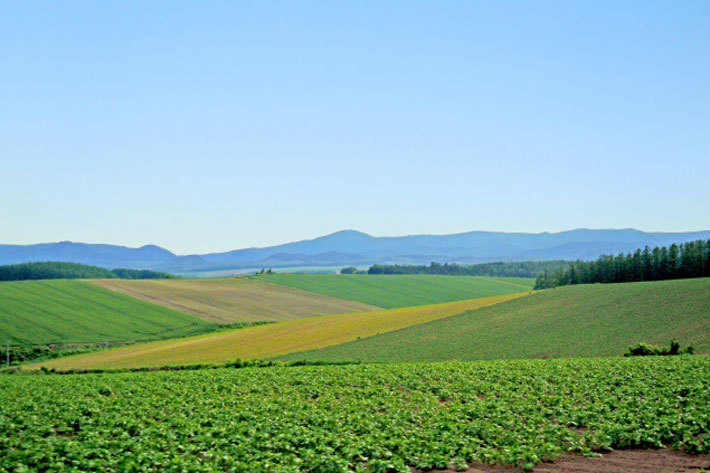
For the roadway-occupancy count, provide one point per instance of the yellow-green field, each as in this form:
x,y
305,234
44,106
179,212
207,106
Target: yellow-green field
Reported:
x,y
229,300
271,340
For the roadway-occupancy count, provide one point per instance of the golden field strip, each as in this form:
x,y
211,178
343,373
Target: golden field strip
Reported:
x,y
271,340
229,300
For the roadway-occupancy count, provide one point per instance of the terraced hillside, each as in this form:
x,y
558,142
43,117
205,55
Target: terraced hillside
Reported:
x,y
401,290
270,340
228,300
40,312
570,321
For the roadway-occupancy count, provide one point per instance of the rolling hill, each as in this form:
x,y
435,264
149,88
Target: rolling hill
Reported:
x,y
107,256
229,300
570,321
353,247
269,340
63,311
350,247
401,290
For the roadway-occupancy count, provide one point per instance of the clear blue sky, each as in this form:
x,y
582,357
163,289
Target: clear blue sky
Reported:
x,y
210,126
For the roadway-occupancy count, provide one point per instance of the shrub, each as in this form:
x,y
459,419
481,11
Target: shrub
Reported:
x,y
644,349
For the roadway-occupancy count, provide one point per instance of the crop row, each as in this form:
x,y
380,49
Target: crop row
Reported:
x,y
352,418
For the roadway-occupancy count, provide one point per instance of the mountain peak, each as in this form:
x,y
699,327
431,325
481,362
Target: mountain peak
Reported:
x,y
350,232
152,247
345,236
155,249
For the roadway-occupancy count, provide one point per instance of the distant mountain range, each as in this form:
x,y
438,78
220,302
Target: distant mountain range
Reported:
x,y
351,247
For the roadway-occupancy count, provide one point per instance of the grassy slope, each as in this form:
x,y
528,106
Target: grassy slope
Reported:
x,y
75,311
402,290
229,300
589,320
270,340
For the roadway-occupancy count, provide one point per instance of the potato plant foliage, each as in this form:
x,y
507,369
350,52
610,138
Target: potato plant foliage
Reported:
x,y
374,418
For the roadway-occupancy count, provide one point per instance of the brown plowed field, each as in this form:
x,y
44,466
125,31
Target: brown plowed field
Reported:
x,y
229,300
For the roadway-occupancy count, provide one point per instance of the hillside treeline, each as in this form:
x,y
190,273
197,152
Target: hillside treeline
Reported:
x,y
61,270
521,269
687,260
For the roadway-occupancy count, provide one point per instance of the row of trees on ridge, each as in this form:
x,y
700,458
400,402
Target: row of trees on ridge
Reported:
x,y
63,270
687,260
521,269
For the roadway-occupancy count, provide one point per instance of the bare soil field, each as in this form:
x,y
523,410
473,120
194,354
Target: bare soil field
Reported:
x,y
617,461
229,300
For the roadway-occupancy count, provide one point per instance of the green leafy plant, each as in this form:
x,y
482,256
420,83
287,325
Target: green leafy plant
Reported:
x,y
352,418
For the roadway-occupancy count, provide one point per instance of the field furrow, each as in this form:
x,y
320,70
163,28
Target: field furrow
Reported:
x,y
67,311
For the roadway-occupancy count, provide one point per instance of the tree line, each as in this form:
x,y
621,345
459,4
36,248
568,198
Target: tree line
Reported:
x,y
521,269
687,260
62,270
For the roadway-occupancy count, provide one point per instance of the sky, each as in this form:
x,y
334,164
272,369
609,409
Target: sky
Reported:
x,y
210,126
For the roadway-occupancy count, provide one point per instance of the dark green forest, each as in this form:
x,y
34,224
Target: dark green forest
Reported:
x,y
61,270
687,260
521,269
124,273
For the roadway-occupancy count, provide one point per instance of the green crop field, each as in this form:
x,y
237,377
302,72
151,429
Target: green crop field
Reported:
x,y
357,418
229,300
401,290
270,340
570,321
40,312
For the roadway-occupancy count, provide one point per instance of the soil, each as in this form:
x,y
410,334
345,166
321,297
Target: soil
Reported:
x,y
617,461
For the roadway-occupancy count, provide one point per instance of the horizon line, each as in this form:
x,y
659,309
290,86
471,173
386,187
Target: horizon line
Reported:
x,y
350,230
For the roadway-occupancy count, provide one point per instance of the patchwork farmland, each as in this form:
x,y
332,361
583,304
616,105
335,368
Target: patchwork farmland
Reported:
x,y
469,414
270,340
63,313
570,321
